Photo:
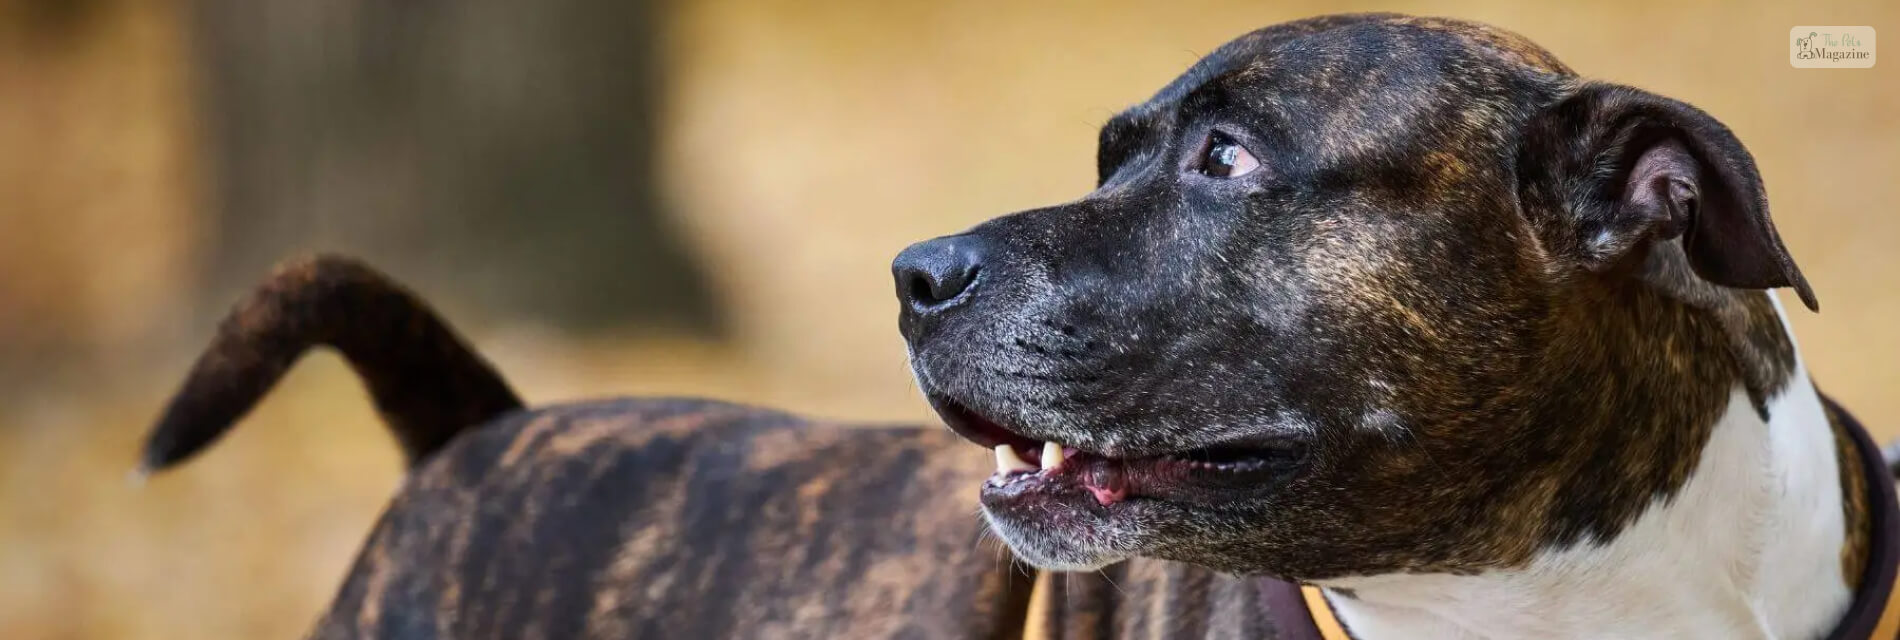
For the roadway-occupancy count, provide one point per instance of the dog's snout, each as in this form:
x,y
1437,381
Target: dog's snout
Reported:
x,y
937,273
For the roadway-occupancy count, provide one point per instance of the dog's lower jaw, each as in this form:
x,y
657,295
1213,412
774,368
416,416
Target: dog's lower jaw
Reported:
x,y
1749,548
1028,548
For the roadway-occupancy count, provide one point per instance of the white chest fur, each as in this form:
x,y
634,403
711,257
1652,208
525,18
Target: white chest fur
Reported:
x,y
1748,548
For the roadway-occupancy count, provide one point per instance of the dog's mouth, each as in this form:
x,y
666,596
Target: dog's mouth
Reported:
x,y
1027,466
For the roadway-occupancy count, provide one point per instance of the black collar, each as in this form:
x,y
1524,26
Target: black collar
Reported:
x,y
1883,555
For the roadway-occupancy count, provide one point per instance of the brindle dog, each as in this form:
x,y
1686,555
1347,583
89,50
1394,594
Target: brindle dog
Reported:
x,y
1355,296
634,518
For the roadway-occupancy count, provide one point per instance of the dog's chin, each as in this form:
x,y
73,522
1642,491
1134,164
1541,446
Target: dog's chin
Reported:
x,y
1055,522
1048,550
1068,508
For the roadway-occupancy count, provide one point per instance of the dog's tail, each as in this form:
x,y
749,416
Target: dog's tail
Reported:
x,y
426,382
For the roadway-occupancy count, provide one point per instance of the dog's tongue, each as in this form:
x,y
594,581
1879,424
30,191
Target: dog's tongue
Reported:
x,y
1106,482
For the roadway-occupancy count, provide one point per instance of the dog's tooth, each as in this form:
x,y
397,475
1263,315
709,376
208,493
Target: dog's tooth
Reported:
x,y
1007,461
1051,455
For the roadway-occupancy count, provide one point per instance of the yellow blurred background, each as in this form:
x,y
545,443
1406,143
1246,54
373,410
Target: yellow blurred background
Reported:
x,y
697,197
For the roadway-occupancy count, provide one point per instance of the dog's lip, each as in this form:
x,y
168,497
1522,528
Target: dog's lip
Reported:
x,y
976,428
988,433
1225,466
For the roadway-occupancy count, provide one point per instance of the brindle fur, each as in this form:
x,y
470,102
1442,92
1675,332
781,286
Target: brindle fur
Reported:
x,y
1433,278
1146,598
683,519
1859,520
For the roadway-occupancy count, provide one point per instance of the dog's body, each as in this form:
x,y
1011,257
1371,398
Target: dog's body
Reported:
x,y
682,519
1398,307
616,519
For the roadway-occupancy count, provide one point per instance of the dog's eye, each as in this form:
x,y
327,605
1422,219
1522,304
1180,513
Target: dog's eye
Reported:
x,y
1222,157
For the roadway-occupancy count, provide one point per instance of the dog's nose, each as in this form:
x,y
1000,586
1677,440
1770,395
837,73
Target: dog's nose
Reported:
x,y
936,273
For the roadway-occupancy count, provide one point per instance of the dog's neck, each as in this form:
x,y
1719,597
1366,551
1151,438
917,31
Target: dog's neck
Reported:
x,y
1751,546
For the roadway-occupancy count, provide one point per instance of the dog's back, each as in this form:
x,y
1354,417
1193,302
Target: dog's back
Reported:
x,y
610,519
681,518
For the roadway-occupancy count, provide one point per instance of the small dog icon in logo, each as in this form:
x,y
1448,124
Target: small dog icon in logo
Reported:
x,y
1805,47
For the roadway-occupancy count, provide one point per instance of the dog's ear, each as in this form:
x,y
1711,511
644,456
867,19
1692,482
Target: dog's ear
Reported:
x,y
1621,168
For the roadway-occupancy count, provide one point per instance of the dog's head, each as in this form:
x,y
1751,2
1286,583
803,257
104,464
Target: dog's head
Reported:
x,y
1338,305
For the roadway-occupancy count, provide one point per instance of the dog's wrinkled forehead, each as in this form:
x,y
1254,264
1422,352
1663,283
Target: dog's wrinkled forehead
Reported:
x,y
1346,89
1362,56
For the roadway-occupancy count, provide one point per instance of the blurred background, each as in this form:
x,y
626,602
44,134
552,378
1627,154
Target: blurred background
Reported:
x,y
635,196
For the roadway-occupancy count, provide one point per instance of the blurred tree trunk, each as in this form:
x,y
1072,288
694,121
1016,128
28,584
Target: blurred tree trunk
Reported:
x,y
98,216
494,152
